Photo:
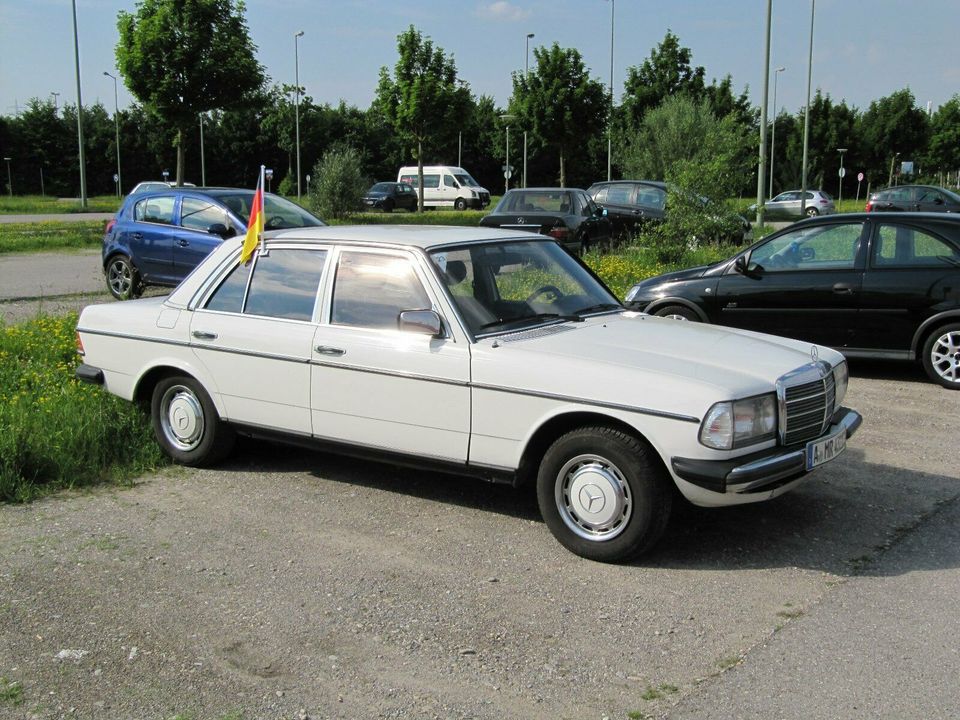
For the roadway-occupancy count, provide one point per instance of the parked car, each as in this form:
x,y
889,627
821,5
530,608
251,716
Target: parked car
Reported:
x,y
480,352
389,195
632,203
151,185
446,186
568,215
790,205
158,237
922,198
870,285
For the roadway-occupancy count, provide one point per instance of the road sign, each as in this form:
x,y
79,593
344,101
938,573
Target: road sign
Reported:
x,y
860,177
843,172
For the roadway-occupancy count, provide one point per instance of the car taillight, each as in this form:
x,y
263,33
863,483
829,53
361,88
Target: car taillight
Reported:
x,y
109,227
869,205
559,232
80,350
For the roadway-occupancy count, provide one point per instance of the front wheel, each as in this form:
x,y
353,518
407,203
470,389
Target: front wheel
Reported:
x,y
677,312
603,493
388,206
941,356
123,278
460,204
186,423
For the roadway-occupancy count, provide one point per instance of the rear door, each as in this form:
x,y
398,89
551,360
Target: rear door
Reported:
x,y
803,284
152,235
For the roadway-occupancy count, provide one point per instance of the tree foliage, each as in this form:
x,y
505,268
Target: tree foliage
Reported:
x,y
891,126
943,151
339,183
423,101
181,58
559,103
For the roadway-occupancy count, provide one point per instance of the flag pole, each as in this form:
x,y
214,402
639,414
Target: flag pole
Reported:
x,y
263,245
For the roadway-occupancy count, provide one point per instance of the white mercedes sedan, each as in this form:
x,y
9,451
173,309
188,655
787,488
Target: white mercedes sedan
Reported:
x,y
480,352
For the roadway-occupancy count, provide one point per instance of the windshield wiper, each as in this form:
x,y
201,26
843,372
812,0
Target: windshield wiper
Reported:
x,y
599,307
526,318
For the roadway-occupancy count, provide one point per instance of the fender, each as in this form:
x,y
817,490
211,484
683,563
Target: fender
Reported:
x,y
939,319
663,302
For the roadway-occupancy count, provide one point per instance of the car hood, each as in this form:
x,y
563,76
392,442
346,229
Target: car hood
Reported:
x,y
636,360
685,274
376,194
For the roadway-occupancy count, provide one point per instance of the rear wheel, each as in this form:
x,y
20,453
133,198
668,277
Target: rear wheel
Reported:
x,y
603,493
677,312
123,278
186,423
941,356
812,212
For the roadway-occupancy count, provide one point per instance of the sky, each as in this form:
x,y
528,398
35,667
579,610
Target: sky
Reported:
x,y
862,50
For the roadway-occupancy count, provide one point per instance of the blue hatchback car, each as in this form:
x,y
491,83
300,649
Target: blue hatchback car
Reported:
x,y
158,237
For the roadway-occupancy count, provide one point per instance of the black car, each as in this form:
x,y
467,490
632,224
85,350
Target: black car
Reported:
x,y
158,237
632,203
565,214
919,198
870,285
389,195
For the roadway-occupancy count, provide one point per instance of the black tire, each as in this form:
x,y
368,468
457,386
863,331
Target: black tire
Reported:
x,y
812,212
677,312
603,465
186,423
941,356
123,278
460,204
388,206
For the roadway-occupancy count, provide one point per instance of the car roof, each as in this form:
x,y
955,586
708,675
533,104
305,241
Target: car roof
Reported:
x,y
655,183
418,236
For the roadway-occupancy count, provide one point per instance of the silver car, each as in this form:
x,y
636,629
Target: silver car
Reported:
x,y
787,205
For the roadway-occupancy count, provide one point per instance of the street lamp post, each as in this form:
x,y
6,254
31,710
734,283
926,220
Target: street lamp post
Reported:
x,y
9,177
773,127
762,166
610,120
806,115
56,106
83,161
203,157
296,71
526,76
116,122
842,172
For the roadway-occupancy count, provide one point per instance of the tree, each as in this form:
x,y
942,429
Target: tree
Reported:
x,y
892,126
944,146
423,101
339,183
559,103
184,57
665,73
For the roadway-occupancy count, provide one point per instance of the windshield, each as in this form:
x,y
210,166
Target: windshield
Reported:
x,y
507,286
466,180
278,212
381,187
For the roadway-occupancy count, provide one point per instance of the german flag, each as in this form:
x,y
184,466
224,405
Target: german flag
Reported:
x,y
255,224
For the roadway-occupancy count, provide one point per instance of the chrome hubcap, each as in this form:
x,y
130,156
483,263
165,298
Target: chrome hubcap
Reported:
x,y
593,498
181,416
945,356
120,278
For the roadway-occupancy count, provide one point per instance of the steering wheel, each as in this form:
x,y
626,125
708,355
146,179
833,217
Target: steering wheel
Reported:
x,y
543,291
274,222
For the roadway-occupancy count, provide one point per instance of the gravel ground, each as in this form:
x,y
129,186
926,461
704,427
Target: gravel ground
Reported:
x,y
290,584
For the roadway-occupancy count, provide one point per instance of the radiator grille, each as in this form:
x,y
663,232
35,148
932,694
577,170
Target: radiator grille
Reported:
x,y
808,408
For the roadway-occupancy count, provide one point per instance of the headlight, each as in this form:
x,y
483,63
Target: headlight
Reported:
x,y
632,293
841,376
734,424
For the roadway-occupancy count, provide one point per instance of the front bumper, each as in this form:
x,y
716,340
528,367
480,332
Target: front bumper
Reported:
x,y
761,471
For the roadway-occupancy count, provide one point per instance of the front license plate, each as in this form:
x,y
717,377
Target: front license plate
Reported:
x,y
825,450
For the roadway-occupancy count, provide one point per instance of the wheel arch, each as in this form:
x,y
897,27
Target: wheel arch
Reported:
x,y
558,425
143,389
664,302
929,326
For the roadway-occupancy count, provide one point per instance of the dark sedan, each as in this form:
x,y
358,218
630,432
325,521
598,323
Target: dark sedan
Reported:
x,y
158,237
919,198
566,214
388,196
871,285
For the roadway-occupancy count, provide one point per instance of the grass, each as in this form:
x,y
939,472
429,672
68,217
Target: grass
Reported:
x,y
10,692
47,204
49,236
56,432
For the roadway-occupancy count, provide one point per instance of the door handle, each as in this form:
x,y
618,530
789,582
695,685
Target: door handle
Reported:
x,y
204,335
183,243
137,236
327,350
842,289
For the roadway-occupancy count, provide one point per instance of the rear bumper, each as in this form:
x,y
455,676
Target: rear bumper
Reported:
x,y
762,471
89,374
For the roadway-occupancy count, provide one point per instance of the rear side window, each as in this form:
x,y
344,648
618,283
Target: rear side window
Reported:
x,y
155,210
902,246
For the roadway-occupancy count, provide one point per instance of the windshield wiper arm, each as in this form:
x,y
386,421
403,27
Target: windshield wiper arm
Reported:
x,y
599,307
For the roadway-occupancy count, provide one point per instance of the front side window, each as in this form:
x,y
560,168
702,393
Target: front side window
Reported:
x,y
450,182
823,247
284,285
372,289
155,210
199,214
902,246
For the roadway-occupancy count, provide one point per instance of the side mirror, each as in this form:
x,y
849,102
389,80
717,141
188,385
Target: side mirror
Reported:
x,y
221,230
422,322
740,265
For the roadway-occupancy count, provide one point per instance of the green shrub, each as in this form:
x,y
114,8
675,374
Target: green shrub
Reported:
x,y
338,183
54,430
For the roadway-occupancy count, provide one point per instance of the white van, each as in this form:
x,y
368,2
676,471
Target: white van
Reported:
x,y
447,186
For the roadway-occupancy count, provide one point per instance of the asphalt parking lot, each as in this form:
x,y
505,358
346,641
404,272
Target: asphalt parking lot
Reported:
x,y
290,584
